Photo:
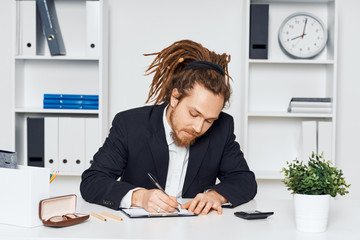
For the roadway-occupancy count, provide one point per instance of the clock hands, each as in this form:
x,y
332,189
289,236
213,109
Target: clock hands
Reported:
x,y
304,27
303,34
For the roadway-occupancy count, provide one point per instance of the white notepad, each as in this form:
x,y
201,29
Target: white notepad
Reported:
x,y
137,212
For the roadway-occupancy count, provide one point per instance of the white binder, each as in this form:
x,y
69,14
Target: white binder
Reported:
x,y
27,27
92,28
51,142
325,139
91,139
71,145
309,141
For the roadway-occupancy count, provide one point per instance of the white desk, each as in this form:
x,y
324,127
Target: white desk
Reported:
x,y
344,224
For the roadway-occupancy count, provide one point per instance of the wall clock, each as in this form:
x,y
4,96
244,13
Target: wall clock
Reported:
x,y
302,35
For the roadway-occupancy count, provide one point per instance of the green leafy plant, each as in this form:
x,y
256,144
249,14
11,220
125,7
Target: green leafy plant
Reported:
x,y
318,177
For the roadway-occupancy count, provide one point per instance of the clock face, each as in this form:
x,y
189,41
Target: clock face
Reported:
x,y
302,35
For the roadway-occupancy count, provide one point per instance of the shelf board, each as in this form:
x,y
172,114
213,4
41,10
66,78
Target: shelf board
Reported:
x,y
291,61
70,58
289,115
57,111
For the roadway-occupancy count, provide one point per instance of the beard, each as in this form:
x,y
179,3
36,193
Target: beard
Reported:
x,y
185,142
181,142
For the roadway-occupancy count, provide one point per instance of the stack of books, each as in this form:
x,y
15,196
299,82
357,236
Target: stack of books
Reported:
x,y
71,101
310,105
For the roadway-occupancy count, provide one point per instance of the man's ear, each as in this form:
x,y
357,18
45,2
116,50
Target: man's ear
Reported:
x,y
174,100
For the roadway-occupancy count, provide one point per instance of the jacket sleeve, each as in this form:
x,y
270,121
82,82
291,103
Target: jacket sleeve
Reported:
x,y
100,183
237,182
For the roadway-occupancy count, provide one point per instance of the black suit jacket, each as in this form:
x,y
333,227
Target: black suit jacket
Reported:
x,y
137,145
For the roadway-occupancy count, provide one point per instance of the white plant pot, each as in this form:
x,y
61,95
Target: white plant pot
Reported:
x,y
311,212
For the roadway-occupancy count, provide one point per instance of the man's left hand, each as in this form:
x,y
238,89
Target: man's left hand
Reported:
x,y
204,202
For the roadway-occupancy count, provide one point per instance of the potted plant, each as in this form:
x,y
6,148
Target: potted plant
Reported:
x,y
313,184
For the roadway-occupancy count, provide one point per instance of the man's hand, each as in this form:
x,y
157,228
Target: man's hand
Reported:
x,y
153,200
204,202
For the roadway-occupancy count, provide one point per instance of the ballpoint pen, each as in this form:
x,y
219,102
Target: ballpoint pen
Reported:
x,y
154,180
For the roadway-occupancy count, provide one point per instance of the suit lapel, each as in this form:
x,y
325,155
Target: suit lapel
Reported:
x,y
196,157
160,154
158,145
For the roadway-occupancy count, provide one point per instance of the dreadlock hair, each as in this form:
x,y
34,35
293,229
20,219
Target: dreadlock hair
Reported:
x,y
169,68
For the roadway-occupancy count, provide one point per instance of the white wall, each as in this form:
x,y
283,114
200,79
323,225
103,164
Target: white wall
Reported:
x,y
348,110
144,26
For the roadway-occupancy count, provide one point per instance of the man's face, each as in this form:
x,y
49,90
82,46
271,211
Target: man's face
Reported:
x,y
194,114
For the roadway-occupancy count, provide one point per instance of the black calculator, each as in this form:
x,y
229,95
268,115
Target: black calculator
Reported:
x,y
250,215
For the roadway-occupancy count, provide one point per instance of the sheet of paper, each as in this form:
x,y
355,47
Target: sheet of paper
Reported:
x,y
140,212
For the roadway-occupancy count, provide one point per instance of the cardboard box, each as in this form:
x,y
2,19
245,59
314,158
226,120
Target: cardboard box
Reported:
x,y
21,191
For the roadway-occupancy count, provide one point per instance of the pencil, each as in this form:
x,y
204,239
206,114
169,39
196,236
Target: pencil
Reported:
x,y
111,216
53,177
98,216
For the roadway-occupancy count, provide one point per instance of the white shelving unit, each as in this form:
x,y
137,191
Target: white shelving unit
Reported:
x,y
272,135
83,70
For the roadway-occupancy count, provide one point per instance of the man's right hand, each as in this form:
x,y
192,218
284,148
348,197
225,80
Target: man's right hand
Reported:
x,y
153,200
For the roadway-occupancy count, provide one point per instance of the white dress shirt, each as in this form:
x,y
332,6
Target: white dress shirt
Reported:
x,y
178,162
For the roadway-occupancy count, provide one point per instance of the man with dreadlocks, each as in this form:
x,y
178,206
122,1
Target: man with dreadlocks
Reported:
x,y
184,140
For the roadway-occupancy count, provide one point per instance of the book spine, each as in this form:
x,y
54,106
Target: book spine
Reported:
x,y
310,99
70,106
71,96
71,101
310,110
311,104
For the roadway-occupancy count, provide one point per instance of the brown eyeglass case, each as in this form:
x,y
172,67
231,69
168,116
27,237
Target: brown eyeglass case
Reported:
x,y
60,211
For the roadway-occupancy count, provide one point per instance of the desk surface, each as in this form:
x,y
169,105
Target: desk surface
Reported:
x,y
343,224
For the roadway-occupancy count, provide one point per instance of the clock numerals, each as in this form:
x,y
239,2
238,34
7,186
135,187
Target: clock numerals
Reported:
x,y
302,35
